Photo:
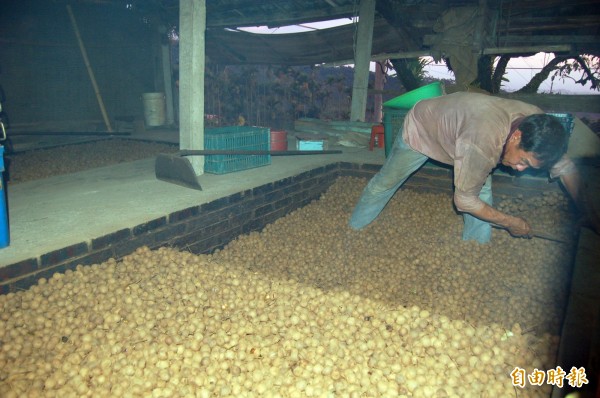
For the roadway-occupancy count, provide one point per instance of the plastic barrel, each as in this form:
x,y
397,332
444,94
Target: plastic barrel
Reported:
x,y
279,141
154,109
4,231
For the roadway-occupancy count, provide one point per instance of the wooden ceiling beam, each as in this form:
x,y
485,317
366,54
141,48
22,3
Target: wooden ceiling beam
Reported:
x,y
547,39
531,24
553,43
558,48
580,19
534,28
511,40
488,51
520,5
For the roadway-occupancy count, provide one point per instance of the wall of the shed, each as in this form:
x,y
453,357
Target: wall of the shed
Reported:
x,y
42,71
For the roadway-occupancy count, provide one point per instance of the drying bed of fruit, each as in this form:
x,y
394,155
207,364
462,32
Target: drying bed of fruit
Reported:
x,y
306,307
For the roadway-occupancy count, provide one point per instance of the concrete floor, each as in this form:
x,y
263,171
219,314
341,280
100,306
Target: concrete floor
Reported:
x,y
56,212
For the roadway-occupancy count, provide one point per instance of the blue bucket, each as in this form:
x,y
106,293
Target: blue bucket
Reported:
x,y
4,235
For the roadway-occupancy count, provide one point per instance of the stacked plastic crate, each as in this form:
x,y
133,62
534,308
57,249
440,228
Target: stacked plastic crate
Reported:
x,y
244,138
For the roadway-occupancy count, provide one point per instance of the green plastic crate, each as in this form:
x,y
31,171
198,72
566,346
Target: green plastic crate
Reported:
x,y
247,138
393,120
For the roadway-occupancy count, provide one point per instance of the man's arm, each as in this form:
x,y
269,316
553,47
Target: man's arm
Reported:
x,y
470,174
515,225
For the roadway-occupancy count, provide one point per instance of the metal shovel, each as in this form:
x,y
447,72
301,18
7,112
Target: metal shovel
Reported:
x,y
177,169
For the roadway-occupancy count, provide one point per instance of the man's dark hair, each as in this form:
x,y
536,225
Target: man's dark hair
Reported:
x,y
544,136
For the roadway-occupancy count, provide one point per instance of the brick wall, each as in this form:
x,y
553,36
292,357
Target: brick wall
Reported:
x,y
206,227
200,229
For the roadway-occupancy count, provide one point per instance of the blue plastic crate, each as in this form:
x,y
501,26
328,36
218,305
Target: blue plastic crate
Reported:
x,y
566,119
4,228
247,138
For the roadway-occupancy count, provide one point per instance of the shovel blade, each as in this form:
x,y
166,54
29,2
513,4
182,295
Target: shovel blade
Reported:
x,y
176,170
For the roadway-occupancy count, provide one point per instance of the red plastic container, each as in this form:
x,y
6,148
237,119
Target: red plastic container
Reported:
x,y
279,141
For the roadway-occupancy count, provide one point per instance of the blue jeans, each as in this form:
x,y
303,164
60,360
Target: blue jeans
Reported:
x,y
474,228
400,164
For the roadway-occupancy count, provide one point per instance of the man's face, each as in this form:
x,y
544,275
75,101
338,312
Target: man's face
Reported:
x,y
515,157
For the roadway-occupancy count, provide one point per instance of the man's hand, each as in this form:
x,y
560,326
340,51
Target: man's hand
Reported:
x,y
518,227
514,225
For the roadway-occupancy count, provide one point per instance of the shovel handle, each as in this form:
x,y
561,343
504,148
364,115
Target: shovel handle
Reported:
x,y
203,152
536,234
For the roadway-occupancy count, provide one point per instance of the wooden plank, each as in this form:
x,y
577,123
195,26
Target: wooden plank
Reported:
x,y
518,7
528,49
487,51
550,26
560,103
384,56
547,39
332,127
576,19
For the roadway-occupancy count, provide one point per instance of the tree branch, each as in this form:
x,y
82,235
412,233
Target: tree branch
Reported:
x,y
535,82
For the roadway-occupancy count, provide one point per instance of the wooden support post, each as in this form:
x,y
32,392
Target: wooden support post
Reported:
x,y
165,56
380,74
480,30
192,20
362,59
